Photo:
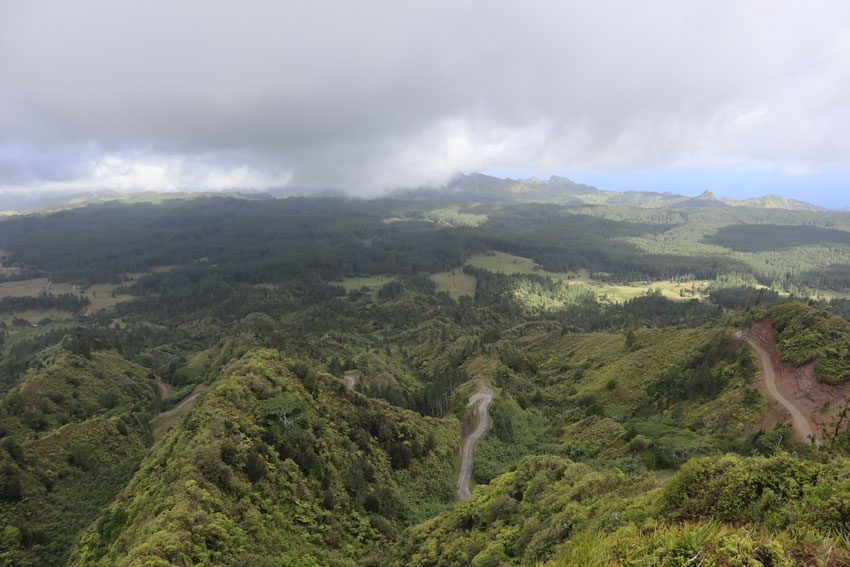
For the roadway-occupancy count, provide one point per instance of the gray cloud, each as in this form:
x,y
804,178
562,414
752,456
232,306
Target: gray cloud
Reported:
x,y
366,96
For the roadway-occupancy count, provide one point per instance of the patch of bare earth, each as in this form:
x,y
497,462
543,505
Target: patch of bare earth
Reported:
x,y
162,422
817,402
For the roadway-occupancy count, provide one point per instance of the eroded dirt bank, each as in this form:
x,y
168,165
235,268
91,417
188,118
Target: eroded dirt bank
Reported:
x,y
809,403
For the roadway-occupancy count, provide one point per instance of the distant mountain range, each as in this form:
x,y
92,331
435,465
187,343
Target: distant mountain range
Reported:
x,y
475,187
563,191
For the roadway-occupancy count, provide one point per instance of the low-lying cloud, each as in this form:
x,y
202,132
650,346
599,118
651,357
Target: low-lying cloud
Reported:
x,y
368,96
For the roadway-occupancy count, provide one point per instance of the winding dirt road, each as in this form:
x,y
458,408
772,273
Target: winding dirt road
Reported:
x,y
802,428
482,397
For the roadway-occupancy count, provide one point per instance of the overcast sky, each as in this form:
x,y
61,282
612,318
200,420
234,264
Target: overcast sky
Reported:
x,y
738,97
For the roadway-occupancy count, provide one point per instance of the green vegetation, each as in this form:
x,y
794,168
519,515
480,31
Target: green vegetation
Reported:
x,y
272,466
510,264
453,216
288,391
504,263
371,283
74,433
753,511
456,283
809,334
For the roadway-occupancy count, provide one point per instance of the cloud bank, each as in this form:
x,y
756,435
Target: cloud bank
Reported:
x,y
368,96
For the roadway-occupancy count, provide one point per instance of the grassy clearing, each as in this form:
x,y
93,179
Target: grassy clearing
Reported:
x,y
100,295
453,216
34,316
691,289
455,282
23,288
506,263
443,218
510,264
373,283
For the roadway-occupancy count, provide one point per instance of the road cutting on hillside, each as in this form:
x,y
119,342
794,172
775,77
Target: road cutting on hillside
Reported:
x,y
801,424
162,422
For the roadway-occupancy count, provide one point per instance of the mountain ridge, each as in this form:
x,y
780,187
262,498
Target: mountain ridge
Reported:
x,y
563,191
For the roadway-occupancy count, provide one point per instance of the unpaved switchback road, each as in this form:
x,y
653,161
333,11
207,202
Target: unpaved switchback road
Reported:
x,y
482,397
801,425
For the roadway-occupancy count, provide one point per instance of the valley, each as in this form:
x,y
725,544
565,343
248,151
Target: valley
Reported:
x,y
488,384
424,284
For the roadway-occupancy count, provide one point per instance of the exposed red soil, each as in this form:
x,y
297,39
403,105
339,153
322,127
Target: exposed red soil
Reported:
x,y
799,385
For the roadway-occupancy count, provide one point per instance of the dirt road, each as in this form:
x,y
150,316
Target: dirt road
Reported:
x,y
802,427
162,422
482,397
350,380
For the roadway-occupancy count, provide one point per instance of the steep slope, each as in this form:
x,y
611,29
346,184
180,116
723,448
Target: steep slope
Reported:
x,y
803,429
70,388
807,334
726,510
774,202
73,434
706,199
804,350
653,400
277,465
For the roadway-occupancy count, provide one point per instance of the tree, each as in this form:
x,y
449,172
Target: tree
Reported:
x,y
837,435
631,340
285,409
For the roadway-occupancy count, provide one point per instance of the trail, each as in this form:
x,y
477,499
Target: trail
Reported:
x,y
164,390
162,422
802,427
482,397
350,380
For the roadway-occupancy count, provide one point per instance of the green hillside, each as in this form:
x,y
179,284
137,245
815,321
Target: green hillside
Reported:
x,y
276,468
809,334
287,382
73,434
725,510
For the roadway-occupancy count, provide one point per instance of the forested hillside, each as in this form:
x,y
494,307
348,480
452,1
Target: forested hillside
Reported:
x,y
277,465
233,381
73,434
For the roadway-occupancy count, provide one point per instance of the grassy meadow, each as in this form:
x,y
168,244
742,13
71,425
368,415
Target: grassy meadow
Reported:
x,y
372,283
510,264
455,282
100,295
